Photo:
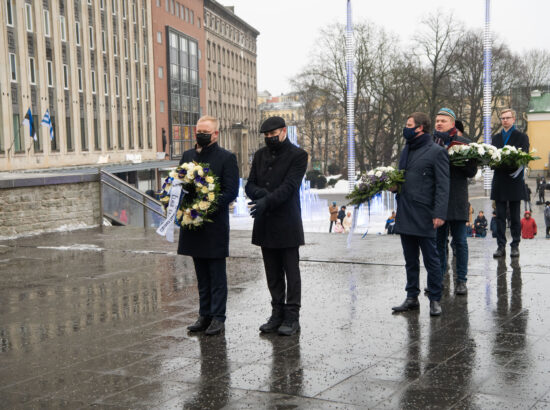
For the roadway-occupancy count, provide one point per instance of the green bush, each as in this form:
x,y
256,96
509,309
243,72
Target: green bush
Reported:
x,y
321,182
333,169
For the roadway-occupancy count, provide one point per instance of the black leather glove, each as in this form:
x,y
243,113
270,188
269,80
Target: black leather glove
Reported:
x,y
260,193
259,206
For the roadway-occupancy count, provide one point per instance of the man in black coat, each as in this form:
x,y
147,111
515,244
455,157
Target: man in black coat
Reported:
x,y
508,189
209,243
421,209
273,185
458,211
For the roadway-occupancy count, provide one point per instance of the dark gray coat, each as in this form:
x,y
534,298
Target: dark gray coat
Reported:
x,y
280,173
459,206
425,193
211,240
506,188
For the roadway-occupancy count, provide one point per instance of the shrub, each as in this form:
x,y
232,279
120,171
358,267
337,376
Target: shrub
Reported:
x,y
333,169
321,182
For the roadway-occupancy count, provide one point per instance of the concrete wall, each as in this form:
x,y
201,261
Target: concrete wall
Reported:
x,y
26,210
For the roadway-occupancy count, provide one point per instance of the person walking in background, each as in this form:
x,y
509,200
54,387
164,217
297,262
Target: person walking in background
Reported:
x,y
333,211
421,209
541,186
547,218
528,226
528,198
342,214
493,225
274,187
347,222
390,224
508,187
445,134
480,225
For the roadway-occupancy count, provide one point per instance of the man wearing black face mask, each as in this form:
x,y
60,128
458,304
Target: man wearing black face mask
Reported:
x,y
209,243
421,209
273,185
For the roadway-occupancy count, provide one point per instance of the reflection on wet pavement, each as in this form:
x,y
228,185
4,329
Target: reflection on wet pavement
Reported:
x,y
97,319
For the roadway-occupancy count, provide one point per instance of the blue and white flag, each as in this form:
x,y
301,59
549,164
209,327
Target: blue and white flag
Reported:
x,y
29,121
48,121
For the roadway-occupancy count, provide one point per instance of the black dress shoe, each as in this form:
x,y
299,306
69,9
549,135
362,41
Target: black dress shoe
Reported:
x,y
216,327
435,308
514,252
408,304
461,288
289,327
201,324
500,252
272,324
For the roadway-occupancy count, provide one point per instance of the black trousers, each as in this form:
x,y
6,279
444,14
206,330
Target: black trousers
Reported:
x,y
212,284
412,245
282,272
515,222
330,227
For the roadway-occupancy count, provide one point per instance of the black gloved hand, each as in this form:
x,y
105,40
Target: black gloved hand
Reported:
x,y
259,206
260,193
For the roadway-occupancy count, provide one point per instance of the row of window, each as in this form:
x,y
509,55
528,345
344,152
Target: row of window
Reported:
x,y
232,33
227,85
230,59
180,11
50,78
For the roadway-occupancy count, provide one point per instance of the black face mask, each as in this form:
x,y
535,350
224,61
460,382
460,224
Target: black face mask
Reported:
x,y
272,142
203,139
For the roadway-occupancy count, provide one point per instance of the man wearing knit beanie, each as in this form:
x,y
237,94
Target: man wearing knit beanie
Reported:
x,y
457,212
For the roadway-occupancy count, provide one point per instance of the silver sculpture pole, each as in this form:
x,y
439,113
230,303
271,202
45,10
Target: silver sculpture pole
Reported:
x,y
349,105
487,92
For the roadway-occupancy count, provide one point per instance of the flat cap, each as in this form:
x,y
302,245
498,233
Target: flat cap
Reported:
x,y
272,123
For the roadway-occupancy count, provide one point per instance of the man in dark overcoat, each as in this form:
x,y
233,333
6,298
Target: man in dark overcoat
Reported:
x,y
458,211
421,209
209,243
273,185
508,188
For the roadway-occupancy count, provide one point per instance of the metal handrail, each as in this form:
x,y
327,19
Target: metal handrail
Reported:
x,y
131,188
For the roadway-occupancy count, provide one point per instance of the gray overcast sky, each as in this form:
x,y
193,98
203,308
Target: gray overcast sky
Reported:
x,y
288,28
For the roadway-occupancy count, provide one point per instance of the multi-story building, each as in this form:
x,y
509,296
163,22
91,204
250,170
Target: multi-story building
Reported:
x,y
89,63
232,81
180,72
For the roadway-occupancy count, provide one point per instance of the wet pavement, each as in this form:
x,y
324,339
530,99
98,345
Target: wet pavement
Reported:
x,y
97,319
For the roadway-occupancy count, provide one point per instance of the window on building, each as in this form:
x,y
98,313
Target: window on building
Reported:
x,y
63,28
79,79
124,10
167,5
161,72
136,52
126,48
199,22
49,69
161,106
9,13
32,71
91,32
143,19
127,88
146,91
28,17
106,84
93,82
47,23
114,7
77,27
134,14
192,16
137,90
65,77
13,68
115,46
158,3
102,4
116,86
177,10
90,2
103,42
159,37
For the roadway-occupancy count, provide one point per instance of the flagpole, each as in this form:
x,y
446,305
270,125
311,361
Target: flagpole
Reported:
x,y
487,92
350,102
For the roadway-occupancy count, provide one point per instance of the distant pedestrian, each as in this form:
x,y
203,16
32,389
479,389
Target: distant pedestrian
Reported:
x,y
347,222
541,186
342,214
493,225
333,211
547,218
528,226
480,225
338,228
527,200
390,224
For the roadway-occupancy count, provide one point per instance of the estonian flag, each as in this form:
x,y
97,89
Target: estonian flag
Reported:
x,y
29,121
48,121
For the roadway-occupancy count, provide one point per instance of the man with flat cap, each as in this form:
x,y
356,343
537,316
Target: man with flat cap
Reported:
x,y
273,185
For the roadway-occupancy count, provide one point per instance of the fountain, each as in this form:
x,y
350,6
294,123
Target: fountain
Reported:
x,y
241,207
